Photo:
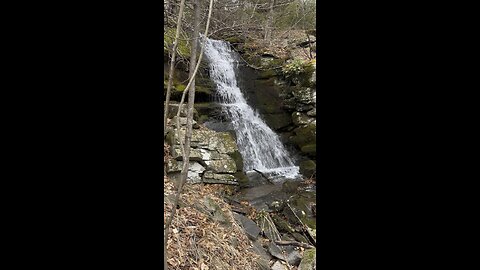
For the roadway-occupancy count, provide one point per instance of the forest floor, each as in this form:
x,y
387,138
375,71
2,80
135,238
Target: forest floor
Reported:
x,y
198,239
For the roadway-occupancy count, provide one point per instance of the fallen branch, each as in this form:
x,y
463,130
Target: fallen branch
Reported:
x,y
293,243
305,228
264,176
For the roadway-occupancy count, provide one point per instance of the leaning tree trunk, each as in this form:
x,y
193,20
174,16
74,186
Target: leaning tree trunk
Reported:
x,y
172,66
188,135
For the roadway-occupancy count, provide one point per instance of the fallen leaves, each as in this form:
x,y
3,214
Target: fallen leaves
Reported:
x,y
197,242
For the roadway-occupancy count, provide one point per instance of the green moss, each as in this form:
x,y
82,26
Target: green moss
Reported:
x,y
180,87
234,40
309,149
183,47
266,74
282,225
308,168
305,135
237,157
202,119
242,179
308,260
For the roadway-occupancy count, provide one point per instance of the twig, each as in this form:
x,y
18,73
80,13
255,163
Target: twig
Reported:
x,y
293,243
268,179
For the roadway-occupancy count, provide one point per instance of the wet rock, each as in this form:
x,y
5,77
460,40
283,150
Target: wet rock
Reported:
x,y
251,228
290,186
309,260
308,168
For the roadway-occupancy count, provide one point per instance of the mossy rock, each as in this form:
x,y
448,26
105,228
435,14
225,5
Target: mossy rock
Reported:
x,y
237,157
309,260
278,121
308,168
310,149
267,74
202,119
282,225
300,204
242,179
233,40
290,186
305,135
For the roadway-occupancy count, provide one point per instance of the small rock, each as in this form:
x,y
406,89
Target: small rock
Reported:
x,y
294,258
312,112
248,225
279,266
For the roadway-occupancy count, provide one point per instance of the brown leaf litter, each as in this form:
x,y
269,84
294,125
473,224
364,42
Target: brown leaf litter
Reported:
x,y
196,242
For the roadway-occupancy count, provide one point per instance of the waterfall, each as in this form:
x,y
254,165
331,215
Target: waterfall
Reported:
x,y
260,147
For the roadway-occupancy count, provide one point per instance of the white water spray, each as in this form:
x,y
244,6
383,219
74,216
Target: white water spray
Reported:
x,y
259,145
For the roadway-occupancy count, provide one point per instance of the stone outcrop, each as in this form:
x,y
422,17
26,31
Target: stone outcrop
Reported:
x,y
214,156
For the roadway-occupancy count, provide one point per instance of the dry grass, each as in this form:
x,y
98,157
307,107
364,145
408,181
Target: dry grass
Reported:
x,y
196,242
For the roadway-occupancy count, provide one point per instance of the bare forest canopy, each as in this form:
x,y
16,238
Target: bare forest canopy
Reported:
x,y
259,19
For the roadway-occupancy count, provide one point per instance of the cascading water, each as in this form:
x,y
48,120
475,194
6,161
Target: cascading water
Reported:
x,y
259,145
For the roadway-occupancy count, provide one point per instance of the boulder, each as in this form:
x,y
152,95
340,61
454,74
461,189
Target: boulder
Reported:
x,y
305,134
308,168
309,260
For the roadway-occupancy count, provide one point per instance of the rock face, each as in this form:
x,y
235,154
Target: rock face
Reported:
x,y
300,98
214,156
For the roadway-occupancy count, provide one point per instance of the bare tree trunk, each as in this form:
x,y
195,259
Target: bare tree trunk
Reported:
x,y
269,22
172,66
188,135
